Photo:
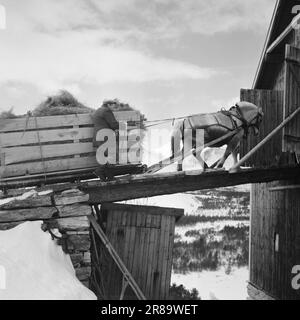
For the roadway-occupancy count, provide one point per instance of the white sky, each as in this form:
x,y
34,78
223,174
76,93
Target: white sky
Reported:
x,y
164,57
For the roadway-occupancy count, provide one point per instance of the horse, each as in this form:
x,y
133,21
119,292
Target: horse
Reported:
x,y
238,120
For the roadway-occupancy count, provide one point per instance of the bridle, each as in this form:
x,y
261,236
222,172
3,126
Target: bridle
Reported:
x,y
246,125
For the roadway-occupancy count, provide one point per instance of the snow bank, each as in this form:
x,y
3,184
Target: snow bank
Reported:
x,y
216,285
36,267
180,200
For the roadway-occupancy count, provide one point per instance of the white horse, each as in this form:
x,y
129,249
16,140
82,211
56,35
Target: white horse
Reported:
x,y
238,120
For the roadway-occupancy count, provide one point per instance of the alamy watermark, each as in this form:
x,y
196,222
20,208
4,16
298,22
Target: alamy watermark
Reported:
x,y
296,277
2,17
125,147
2,278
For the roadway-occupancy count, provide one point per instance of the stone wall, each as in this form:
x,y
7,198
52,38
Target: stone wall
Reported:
x,y
64,211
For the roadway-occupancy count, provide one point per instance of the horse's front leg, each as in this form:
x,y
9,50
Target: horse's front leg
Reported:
x,y
231,149
235,155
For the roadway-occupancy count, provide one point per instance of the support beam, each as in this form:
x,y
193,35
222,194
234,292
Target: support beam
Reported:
x,y
150,185
280,38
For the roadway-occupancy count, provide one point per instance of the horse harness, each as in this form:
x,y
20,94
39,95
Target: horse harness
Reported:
x,y
234,118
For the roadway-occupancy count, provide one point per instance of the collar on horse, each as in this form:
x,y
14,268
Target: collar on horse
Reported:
x,y
238,115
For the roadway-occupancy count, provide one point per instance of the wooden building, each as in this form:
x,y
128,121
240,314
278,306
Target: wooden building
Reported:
x,y
275,206
143,237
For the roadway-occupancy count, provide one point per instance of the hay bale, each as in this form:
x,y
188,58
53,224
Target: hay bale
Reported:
x,y
116,106
62,103
9,114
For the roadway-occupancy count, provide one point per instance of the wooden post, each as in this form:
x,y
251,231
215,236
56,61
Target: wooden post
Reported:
x,y
264,141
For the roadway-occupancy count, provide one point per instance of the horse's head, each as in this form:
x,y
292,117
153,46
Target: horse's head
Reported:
x,y
252,114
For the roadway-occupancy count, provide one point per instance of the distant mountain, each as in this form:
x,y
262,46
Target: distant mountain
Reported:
x,y
220,202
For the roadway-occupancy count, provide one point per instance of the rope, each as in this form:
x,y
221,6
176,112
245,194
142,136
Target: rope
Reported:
x,y
41,149
26,123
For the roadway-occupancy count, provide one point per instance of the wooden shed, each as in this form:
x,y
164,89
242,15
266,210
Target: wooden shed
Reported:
x,y
275,206
143,237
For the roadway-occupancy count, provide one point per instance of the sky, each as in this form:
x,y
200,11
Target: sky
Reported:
x,y
167,58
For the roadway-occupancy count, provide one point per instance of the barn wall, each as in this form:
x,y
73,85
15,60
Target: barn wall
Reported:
x,y
275,209
275,217
278,83
270,155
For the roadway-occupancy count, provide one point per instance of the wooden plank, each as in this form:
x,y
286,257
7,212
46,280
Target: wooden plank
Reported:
x,y
31,123
115,274
143,210
159,252
32,202
285,187
32,168
12,139
30,153
164,260
21,124
152,185
145,255
30,214
149,259
170,256
55,135
141,268
136,251
154,242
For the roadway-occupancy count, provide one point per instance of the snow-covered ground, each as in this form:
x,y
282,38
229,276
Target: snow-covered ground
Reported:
x,y
213,285
203,227
34,267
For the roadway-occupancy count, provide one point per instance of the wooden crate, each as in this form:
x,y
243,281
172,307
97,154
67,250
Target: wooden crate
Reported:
x,y
143,237
43,145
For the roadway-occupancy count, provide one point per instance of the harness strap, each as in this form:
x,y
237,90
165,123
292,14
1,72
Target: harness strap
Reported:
x,y
239,116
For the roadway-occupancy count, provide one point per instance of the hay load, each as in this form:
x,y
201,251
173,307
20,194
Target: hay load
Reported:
x,y
65,103
61,104
117,106
9,114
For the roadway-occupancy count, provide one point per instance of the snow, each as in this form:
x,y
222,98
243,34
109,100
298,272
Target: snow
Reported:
x,y
180,200
216,285
25,196
36,267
